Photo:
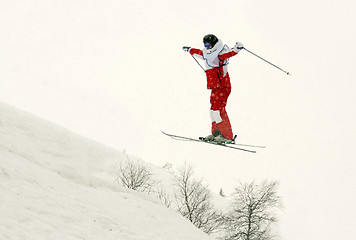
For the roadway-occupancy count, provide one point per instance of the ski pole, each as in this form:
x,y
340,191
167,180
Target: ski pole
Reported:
x,y
267,61
198,63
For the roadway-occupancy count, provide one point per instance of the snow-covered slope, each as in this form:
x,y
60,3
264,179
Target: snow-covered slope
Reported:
x,y
55,184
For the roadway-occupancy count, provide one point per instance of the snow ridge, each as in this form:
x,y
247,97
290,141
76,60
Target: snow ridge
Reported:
x,y
55,184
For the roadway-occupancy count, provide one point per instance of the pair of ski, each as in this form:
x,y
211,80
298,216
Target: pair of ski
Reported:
x,y
236,146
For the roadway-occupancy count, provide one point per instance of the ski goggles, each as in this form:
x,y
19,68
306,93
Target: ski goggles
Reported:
x,y
206,44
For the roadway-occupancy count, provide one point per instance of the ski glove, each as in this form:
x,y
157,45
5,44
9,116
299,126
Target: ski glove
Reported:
x,y
238,47
186,49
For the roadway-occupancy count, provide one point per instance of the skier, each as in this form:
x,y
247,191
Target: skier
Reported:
x,y
216,56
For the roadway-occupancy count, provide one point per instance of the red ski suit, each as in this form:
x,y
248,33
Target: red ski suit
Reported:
x,y
218,80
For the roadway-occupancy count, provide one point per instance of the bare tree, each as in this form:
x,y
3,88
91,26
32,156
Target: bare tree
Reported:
x,y
193,201
253,212
162,194
134,175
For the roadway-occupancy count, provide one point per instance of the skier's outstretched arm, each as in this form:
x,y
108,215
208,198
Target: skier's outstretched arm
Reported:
x,y
194,51
235,50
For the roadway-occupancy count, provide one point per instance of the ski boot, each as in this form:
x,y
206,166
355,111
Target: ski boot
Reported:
x,y
208,138
221,139
211,137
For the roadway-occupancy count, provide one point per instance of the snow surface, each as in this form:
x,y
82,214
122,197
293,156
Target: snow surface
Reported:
x,y
114,71
55,184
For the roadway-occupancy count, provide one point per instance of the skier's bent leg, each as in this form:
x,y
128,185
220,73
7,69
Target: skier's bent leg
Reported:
x,y
219,118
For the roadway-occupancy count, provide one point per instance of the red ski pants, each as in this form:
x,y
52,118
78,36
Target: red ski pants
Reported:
x,y
219,118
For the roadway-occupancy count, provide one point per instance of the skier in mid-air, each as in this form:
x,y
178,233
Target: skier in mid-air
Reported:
x,y
216,56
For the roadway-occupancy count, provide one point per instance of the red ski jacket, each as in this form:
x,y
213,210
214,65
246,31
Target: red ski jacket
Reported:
x,y
216,60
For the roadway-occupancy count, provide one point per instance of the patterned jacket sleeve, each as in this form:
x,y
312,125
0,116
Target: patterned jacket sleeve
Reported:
x,y
196,53
227,55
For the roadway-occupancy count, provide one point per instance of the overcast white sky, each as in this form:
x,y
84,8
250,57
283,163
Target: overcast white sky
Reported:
x,y
114,71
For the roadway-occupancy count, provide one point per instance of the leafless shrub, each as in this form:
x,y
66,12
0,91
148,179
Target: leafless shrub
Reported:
x,y
193,201
162,194
134,175
253,212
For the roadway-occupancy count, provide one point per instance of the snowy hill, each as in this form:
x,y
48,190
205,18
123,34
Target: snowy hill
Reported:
x,y
55,184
